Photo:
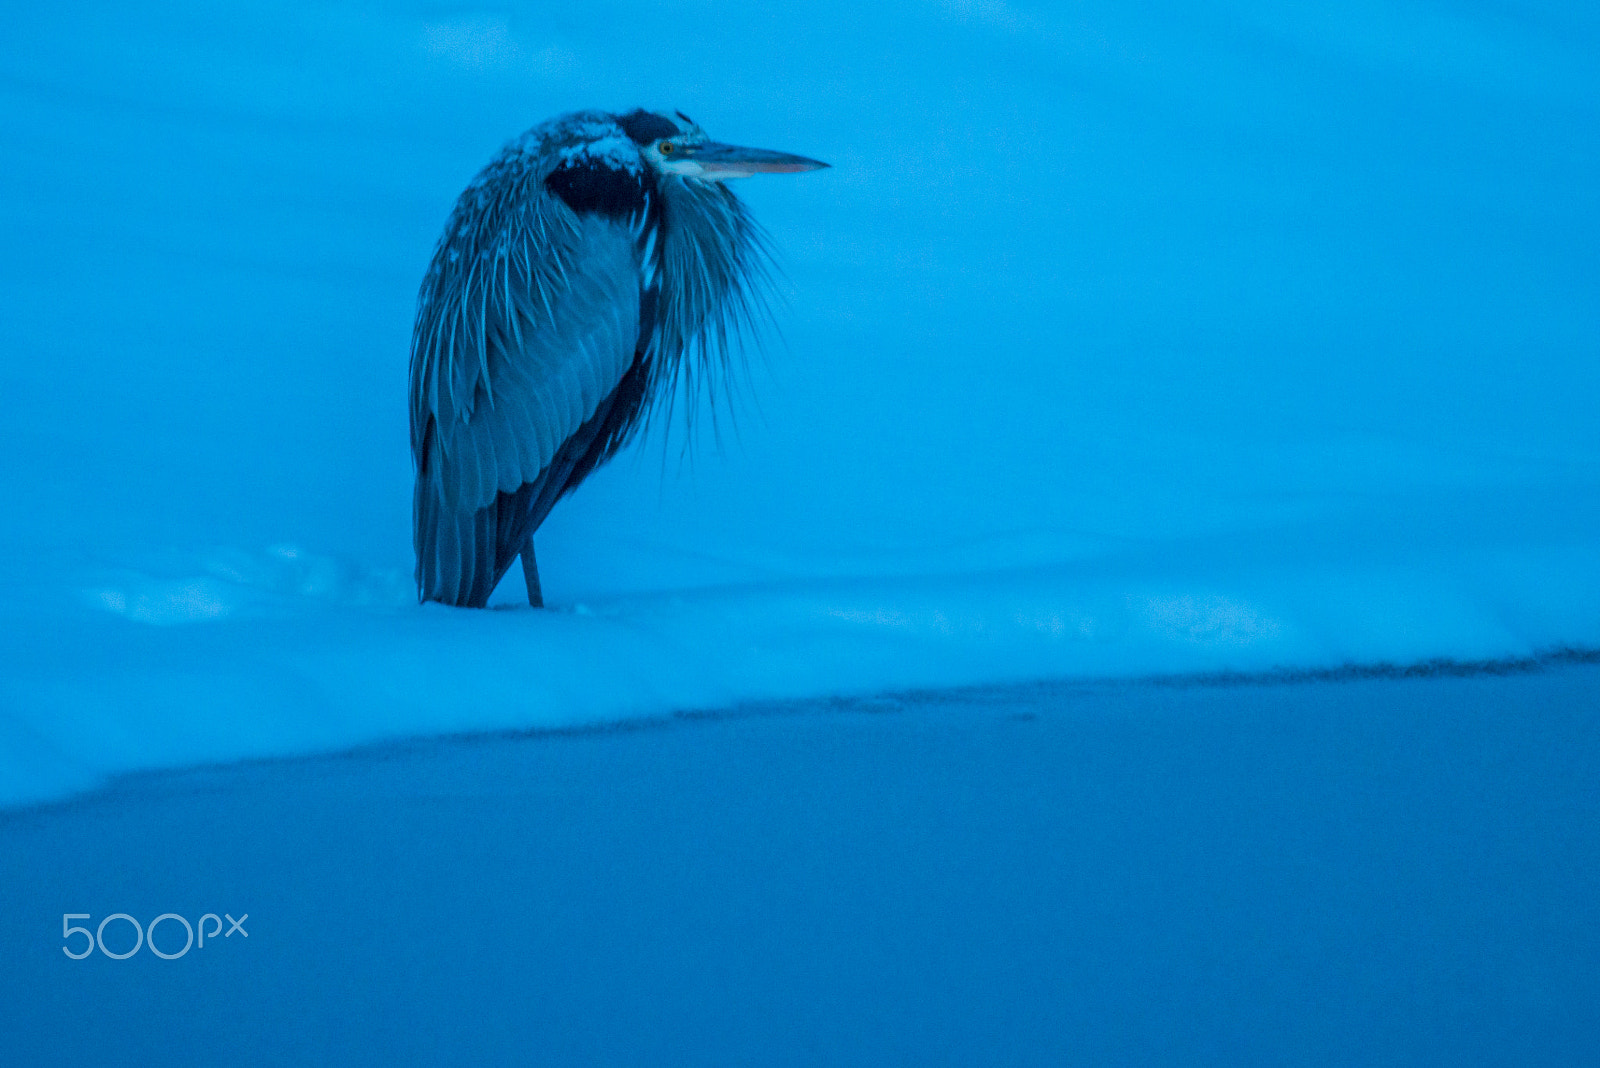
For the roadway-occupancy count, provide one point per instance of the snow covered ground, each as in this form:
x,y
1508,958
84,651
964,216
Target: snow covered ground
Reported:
x,y
1368,871
1119,341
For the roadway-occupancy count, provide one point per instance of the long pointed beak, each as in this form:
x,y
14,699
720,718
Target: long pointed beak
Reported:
x,y
719,161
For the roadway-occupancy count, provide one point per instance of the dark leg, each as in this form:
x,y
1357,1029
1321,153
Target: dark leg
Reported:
x,y
530,574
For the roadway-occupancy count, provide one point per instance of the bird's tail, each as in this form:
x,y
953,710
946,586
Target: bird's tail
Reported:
x,y
455,549
463,555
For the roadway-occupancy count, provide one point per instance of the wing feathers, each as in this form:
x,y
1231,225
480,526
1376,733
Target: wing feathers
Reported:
x,y
518,344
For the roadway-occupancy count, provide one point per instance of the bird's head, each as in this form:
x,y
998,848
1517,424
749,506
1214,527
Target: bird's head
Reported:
x,y
675,144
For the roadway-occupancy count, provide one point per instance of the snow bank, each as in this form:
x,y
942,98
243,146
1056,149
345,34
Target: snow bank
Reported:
x,y
243,656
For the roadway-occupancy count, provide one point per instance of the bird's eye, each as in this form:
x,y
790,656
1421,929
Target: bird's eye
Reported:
x,y
667,147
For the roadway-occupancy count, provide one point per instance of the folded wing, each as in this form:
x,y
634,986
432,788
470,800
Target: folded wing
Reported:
x,y
528,324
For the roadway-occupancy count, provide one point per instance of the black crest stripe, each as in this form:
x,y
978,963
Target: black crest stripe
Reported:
x,y
644,127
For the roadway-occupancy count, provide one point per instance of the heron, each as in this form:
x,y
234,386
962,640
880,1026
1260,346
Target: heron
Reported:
x,y
594,260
